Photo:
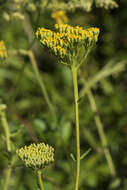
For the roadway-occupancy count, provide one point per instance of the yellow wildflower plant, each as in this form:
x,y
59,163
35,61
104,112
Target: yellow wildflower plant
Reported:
x,y
36,156
69,43
60,16
3,50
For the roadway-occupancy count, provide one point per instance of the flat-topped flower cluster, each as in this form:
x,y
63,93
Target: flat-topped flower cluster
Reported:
x,y
36,156
3,50
67,42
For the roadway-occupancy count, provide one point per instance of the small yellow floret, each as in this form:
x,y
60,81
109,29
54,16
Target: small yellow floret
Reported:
x,y
43,32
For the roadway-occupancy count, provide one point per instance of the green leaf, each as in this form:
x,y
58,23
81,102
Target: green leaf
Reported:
x,y
85,154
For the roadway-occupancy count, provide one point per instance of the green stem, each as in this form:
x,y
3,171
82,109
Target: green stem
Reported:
x,y
8,143
31,56
75,86
84,58
7,177
6,130
8,173
101,133
40,180
40,81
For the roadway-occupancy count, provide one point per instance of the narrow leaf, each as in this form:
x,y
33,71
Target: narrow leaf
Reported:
x,y
85,154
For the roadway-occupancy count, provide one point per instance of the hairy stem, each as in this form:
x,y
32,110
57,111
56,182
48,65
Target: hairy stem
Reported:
x,y
40,182
75,86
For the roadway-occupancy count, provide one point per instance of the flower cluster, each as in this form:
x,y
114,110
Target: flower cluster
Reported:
x,y
17,9
68,40
78,34
110,4
60,16
36,156
3,50
55,41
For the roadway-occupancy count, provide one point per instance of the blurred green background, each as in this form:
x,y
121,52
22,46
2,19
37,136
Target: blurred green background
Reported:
x,y
28,115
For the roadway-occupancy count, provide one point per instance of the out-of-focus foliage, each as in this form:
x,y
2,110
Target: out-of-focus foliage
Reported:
x,y
29,117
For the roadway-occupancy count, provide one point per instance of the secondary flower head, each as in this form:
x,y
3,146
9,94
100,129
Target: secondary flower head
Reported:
x,y
68,42
36,156
3,50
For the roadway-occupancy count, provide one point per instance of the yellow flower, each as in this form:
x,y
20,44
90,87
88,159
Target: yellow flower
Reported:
x,y
59,50
36,156
68,40
3,50
78,32
43,32
60,16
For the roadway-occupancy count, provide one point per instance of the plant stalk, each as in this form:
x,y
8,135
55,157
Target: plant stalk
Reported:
x,y
6,130
75,86
40,81
7,177
40,182
8,144
101,133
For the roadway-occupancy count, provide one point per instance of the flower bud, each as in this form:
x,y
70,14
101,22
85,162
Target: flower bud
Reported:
x,y
36,156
